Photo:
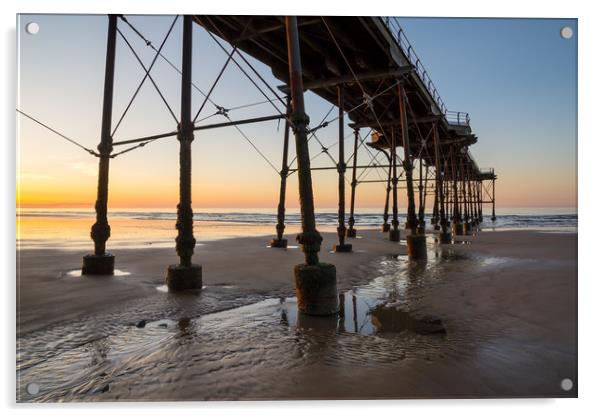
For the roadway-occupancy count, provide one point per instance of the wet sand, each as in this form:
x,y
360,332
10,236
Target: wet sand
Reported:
x,y
507,301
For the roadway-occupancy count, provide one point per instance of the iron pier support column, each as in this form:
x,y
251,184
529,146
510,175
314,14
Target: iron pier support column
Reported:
x,y
493,218
101,262
351,232
279,242
386,226
421,200
457,219
394,233
480,191
315,282
444,234
416,243
435,216
465,202
341,230
185,275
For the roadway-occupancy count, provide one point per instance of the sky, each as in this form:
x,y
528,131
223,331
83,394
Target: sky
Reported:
x,y
516,77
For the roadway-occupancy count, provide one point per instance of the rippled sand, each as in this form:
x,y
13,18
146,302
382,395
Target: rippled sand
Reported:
x,y
500,318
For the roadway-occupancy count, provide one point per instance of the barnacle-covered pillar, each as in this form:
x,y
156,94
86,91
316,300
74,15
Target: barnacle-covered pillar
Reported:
x,y
316,283
102,262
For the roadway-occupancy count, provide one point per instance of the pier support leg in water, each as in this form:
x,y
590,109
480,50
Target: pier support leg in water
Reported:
x,y
279,242
315,282
458,228
493,218
351,232
341,229
445,236
386,226
394,232
416,243
185,275
101,262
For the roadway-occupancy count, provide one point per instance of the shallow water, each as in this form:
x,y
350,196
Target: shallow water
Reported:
x,y
220,343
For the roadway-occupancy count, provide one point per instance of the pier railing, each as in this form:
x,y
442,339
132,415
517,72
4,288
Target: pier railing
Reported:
x,y
452,117
407,48
457,118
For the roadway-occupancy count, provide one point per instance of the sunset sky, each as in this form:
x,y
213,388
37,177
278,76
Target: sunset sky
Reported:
x,y
517,79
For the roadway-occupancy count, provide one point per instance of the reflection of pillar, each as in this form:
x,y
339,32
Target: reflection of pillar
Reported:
x,y
416,243
354,301
316,282
341,247
351,232
102,262
185,275
279,242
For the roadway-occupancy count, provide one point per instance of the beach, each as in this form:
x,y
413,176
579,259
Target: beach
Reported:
x,y
507,301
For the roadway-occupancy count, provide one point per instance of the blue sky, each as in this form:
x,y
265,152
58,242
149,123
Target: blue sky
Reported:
x,y
516,78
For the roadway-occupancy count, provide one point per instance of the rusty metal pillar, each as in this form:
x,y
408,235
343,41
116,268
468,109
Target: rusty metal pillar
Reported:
x,y
444,234
279,242
480,188
185,275
394,233
341,167
416,243
457,219
351,232
493,217
101,262
435,215
386,226
316,283
421,198
463,174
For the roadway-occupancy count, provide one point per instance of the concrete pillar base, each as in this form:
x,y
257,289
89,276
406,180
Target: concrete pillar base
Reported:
x,y
346,247
394,235
181,277
458,229
467,228
316,288
351,232
279,243
416,246
385,227
98,264
445,238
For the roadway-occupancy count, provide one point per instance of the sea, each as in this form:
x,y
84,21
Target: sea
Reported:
x,y
69,228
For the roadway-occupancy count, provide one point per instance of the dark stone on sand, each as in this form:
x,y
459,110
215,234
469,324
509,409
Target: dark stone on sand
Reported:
x,y
141,324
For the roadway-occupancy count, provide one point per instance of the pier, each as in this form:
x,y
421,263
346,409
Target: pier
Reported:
x,y
366,68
